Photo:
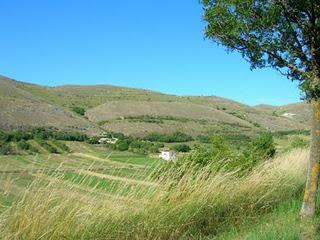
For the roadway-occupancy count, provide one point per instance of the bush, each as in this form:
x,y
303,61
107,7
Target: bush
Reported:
x,y
169,138
292,132
79,110
298,142
122,146
203,139
23,145
93,140
32,149
220,156
144,147
264,146
154,149
41,133
61,145
5,137
159,145
47,146
6,148
214,156
182,148
144,118
70,136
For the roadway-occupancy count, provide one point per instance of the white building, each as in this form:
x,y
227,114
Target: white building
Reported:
x,y
289,115
108,140
167,155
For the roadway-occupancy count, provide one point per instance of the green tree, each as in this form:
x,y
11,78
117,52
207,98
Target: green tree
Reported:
x,y
122,146
182,148
264,146
284,35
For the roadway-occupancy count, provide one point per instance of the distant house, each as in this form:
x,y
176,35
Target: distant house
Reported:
x,y
289,115
167,155
104,140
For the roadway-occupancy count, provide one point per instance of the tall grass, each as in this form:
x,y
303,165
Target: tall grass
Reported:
x,y
193,207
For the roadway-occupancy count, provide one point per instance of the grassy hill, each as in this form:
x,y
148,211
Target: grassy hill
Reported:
x,y
138,111
20,108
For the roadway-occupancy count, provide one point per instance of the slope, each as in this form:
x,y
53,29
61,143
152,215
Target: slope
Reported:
x,y
21,109
139,111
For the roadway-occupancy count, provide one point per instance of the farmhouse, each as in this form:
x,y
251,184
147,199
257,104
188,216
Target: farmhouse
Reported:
x,y
289,115
167,155
108,140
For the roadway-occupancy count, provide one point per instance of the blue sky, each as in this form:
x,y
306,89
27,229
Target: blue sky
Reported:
x,y
151,44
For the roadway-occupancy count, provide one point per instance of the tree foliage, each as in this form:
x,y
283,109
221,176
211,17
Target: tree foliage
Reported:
x,y
169,138
282,34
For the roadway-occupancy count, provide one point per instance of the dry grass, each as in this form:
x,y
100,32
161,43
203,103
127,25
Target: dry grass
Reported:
x,y
28,105
191,208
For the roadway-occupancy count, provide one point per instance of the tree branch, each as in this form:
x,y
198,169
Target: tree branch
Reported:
x,y
303,56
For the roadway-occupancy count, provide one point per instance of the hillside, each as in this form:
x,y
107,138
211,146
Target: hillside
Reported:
x,y
20,108
138,111
299,111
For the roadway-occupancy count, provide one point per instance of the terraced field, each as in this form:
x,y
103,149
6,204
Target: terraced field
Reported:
x,y
87,167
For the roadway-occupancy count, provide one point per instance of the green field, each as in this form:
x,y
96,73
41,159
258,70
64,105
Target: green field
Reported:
x,y
95,193
87,166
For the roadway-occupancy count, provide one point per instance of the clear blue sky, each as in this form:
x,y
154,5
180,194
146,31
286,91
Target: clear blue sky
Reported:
x,y
151,44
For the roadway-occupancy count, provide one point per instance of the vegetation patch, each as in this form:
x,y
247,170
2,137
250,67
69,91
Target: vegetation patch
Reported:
x,y
47,146
155,119
169,138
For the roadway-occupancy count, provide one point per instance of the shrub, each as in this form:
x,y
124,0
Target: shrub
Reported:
x,y
93,140
6,148
122,146
79,110
70,136
203,139
41,133
23,145
213,157
182,148
292,132
256,124
47,146
32,149
169,138
264,146
61,145
159,145
298,142
145,118
5,137
16,136
220,156
154,149
135,144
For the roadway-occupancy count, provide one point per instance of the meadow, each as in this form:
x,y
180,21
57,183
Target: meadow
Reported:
x,y
97,193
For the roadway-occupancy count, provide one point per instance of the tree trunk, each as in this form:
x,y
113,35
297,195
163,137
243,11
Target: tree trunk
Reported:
x,y
310,196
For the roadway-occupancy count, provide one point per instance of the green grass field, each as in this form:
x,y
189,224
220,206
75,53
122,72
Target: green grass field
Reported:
x,y
86,165
95,193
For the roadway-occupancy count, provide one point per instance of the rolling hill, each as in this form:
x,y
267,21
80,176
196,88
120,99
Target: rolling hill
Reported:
x,y
138,111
